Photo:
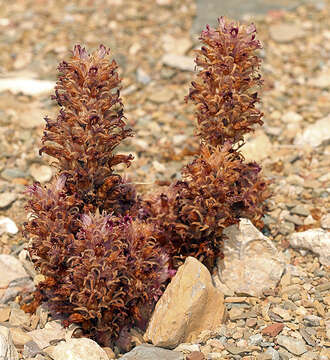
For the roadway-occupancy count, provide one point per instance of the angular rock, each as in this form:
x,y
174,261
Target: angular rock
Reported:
x,y
149,352
325,221
160,96
7,199
184,63
7,348
4,313
79,349
19,318
26,86
273,329
8,226
31,349
315,240
294,346
19,336
53,331
10,269
292,117
251,263
177,46
142,77
321,81
189,305
315,134
257,148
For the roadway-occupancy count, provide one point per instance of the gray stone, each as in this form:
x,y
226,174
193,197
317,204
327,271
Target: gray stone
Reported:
x,y
294,346
142,77
150,352
31,349
274,354
7,348
9,174
255,339
314,134
238,350
312,320
78,349
7,199
184,63
251,263
300,210
315,240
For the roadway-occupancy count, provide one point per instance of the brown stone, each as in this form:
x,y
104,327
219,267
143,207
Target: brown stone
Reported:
x,y
273,330
189,305
196,355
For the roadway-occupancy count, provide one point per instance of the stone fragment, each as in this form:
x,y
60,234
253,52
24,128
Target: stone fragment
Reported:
x,y
314,134
41,173
200,307
309,340
79,349
258,147
321,81
196,355
19,336
285,33
273,329
300,210
32,117
251,262
26,86
7,348
31,349
15,287
187,348
19,318
8,226
160,96
180,62
4,314
273,353
10,269
294,346
238,350
10,174
312,320
315,240
177,46
292,117
53,331
150,352
7,199
325,221
142,77
111,355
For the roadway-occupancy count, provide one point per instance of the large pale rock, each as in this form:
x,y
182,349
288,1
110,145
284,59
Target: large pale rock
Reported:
x,y
7,348
315,134
149,352
10,269
251,262
26,86
189,305
315,240
184,63
53,331
79,349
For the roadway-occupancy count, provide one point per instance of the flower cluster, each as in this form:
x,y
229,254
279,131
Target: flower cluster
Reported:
x,y
107,254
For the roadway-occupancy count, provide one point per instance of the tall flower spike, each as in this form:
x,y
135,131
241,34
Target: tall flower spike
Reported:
x,y
224,91
90,125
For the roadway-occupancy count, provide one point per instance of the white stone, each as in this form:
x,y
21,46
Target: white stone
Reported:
x,y
315,240
257,148
251,262
79,349
10,269
7,199
185,63
325,221
315,134
53,331
321,81
177,46
41,173
292,117
26,86
7,225
7,348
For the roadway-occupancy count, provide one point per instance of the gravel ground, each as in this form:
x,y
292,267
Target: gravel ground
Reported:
x,y
293,145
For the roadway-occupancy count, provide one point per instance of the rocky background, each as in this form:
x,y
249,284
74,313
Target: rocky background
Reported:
x,y
269,299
